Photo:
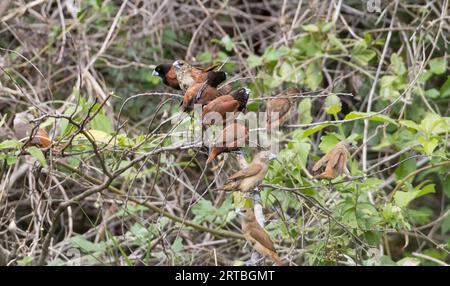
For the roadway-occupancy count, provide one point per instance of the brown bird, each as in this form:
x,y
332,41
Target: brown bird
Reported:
x,y
249,178
23,130
202,92
232,138
282,105
228,103
168,75
257,236
335,161
187,74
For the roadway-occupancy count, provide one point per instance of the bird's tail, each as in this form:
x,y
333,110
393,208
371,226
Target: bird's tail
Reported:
x,y
213,154
276,259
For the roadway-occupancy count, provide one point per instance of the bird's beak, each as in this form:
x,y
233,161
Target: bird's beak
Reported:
x,y
247,90
272,156
176,64
353,147
155,73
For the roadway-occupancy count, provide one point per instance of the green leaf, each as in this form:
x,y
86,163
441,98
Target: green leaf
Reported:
x,y
405,168
428,144
432,93
402,199
314,76
227,43
333,104
310,28
397,64
103,123
376,117
82,243
177,245
438,65
9,144
272,54
425,75
254,61
445,88
445,226
337,43
328,142
304,111
434,124
314,129
446,186
362,55
287,72
205,57
327,27
37,153
410,124
308,46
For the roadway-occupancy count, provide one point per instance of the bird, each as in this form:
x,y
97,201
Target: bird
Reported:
x,y
282,105
168,75
250,177
335,161
257,236
202,92
187,74
227,104
232,138
23,130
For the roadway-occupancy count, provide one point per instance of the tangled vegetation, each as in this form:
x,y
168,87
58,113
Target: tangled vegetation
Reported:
x,y
115,188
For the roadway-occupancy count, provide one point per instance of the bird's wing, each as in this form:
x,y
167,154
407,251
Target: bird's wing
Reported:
x,y
251,170
261,236
226,106
324,160
342,161
336,154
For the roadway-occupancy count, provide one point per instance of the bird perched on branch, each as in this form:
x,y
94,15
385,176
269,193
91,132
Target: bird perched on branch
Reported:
x,y
257,236
202,92
249,178
24,129
228,103
232,138
168,75
279,109
188,75
335,161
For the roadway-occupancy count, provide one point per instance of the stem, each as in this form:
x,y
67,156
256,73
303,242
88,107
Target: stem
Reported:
x,y
222,233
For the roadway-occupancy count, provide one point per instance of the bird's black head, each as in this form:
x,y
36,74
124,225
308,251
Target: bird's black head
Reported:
x,y
214,78
161,70
242,95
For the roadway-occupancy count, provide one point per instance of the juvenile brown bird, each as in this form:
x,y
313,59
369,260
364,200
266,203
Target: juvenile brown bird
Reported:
x,y
202,92
23,129
257,236
248,178
168,75
228,103
187,74
232,138
335,161
282,105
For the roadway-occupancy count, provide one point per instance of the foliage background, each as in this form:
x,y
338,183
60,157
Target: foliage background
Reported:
x,y
121,193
